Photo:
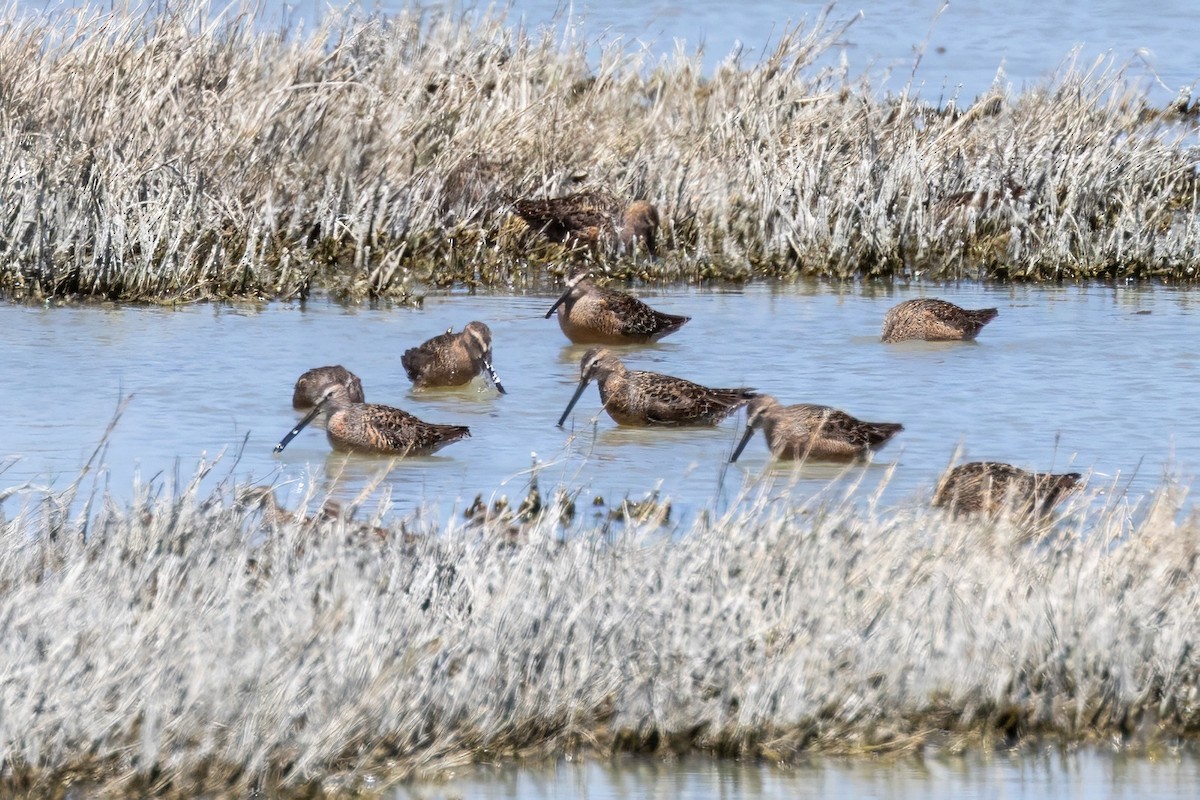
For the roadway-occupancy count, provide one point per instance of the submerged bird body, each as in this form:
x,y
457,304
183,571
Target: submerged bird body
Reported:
x,y
313,383
372,428
452,359
813,431
633,397
594,219
986,487
591,314
934,320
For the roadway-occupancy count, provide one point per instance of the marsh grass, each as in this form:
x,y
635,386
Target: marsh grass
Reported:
x,y
196,153
186,641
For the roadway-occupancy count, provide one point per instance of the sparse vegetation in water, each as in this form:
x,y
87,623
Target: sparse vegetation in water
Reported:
x,y
193,154
187,641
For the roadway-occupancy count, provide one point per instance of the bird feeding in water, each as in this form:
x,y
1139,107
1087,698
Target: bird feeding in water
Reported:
x,y
452,359
934,321
812,431
372,428
312,384
633,397
591,314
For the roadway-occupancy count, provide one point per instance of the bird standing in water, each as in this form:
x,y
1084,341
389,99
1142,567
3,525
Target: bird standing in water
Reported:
x,y
985,487
812,431
591,314
452,359
934,320
632,397
313,383
371,428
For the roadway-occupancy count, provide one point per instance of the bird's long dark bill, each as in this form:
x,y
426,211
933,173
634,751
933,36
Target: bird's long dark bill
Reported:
x,y
742,444
559,302
309,417
491,371
574,399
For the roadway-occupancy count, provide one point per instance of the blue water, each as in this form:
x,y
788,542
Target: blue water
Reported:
x,y
1093,379
964,48
1089,774
945,49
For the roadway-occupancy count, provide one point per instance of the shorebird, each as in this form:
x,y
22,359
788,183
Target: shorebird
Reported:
x,y
452,359
591,314
986,486
371,428
812,431
632,397
592,219
934,320
312,384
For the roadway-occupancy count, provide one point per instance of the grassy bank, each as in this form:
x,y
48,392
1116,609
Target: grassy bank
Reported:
x,y
188,641
191,156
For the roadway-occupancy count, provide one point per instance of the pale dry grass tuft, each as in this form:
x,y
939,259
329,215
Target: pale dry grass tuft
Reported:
x,y
187,641
194,154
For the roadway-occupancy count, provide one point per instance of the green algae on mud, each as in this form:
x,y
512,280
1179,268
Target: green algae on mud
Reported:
x,y
368,157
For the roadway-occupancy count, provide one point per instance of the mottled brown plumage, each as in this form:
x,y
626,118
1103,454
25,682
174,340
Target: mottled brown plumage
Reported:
x,y
595,219
591,314
987,487
370,428
812,431
934,320
452,359
647,398
312,384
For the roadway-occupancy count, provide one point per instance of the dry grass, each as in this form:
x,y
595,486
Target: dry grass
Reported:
x,y
187,641
195,155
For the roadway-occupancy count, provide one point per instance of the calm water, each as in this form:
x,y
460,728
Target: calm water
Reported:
x,y
1092,379
1052,776
964,46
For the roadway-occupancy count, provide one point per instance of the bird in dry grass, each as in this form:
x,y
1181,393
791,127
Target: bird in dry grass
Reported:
x,y
313,383
591,314
452,359
934,320
813,431
632,397
594,219
371,428
987,487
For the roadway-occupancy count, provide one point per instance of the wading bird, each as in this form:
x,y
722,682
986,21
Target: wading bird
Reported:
x,y
370,428
986,487
632,397
934,320
596,220
312,384
452,359
812,431
591,314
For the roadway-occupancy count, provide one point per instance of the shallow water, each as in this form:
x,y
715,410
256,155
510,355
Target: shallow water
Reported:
x,y
964,49
1093,379
1050,776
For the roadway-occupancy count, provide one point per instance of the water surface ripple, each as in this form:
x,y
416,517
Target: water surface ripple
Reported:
x,y
1094,379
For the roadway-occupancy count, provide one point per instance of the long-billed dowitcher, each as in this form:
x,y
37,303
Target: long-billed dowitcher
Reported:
x,y
593,219
987,486
312,384
591,314
371,428
632,397
452,359
934,320
812,431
